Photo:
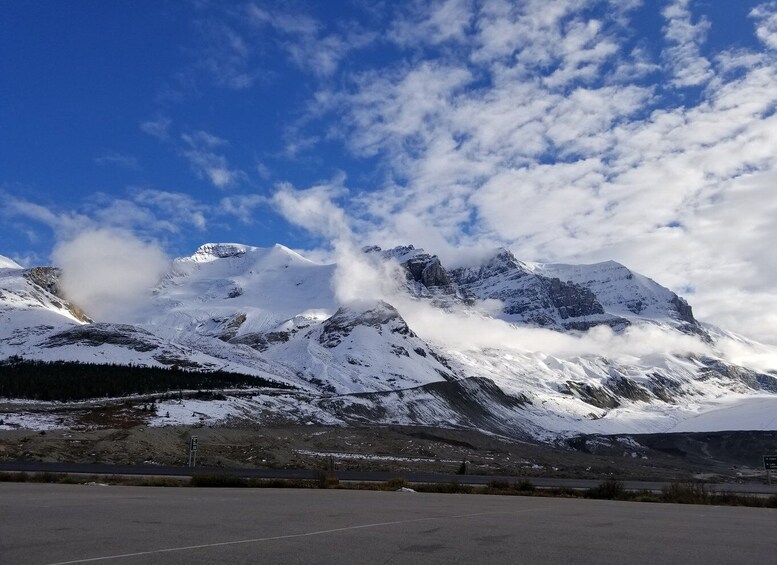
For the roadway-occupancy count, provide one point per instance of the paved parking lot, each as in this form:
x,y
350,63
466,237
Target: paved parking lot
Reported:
x,y
47,524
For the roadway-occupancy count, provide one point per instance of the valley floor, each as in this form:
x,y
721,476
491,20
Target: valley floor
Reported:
x,y
723,456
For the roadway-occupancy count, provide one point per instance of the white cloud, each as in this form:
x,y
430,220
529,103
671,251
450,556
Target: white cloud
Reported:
x,y
305,40
158,127
314,209
541,132
199,148
108,273
242,206
766,23
61,223
442,21
683,56
177,208
144,211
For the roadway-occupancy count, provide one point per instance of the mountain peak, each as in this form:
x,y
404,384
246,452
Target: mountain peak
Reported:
x,y
502,255
373,314
211,251
624,292
400,253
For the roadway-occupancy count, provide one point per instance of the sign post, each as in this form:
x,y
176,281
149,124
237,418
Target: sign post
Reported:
x,y
193,451
770,463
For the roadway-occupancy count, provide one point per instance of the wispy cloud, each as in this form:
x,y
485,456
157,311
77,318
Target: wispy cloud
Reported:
x,y
314,209
150,213
62,223
203,151
765,16
158,127
242,206
200,149
122,160
179,208
225,55
444,21
306,42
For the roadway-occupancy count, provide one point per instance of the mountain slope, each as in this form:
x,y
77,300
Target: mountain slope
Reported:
x,y
232,290
360,349
625,293
559,349
29,305
533,298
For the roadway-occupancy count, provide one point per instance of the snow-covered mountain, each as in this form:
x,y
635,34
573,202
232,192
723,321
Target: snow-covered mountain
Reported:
x,y
516,348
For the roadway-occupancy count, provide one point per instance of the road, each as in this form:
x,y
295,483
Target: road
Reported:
x,y
68,524
415,477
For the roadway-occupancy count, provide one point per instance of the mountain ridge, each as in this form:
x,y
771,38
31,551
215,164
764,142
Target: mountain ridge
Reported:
x,y
576,347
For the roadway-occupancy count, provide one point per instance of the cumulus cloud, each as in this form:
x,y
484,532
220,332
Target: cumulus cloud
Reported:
x,y
364,278
357,278
109,273
548,130
684,37
766,23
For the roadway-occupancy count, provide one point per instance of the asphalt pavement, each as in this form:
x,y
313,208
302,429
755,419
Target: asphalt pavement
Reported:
x,y
59,524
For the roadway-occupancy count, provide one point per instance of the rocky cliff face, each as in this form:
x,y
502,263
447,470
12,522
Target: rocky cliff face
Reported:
x,y
424,273
623,292
533,298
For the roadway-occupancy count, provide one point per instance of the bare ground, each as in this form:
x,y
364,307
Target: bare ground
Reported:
x,y
117,434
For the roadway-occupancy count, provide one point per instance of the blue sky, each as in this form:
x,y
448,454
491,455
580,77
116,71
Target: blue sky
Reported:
x,y
570,131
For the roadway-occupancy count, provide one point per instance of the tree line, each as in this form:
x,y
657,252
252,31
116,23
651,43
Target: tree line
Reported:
x,y
67,380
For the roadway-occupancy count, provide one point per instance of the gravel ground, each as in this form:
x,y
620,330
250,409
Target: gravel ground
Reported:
x,y
726,457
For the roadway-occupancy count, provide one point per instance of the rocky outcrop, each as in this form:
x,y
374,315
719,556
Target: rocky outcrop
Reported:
x,y
47,279
715,368
425,274
95,335
683,309
382,317
532,298
219,251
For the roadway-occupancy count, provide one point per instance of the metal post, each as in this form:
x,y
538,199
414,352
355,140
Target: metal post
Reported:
x,y
192,451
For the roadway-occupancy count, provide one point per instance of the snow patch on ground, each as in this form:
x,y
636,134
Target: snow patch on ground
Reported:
x,y
32,421
367,457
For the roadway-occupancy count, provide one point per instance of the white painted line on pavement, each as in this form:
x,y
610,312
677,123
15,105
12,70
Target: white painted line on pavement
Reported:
x,y
288,536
